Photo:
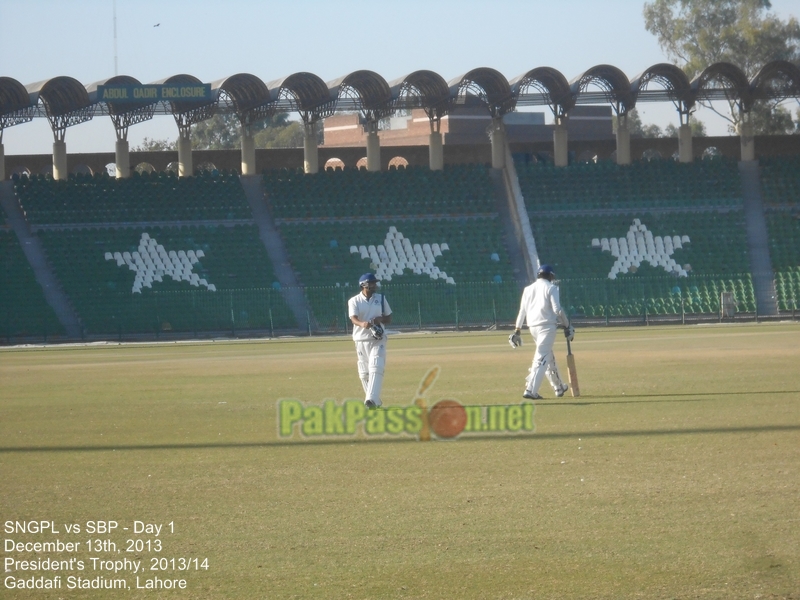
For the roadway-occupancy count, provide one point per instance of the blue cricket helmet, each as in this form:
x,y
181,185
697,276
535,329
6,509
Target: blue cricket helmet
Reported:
x,y
545,271
366,279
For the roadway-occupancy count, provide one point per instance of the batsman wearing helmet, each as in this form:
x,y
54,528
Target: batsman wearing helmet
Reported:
x,y
369,312
541,308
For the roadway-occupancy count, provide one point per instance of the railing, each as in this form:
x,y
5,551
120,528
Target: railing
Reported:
x,y
264,312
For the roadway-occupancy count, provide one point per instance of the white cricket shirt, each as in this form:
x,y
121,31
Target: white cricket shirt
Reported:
x,y
540,305
366,310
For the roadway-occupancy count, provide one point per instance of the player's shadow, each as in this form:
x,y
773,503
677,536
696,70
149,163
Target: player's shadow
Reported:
x,y
645,398
466,438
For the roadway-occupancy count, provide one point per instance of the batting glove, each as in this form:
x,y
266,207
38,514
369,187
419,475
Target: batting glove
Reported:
x,y
515,339
569,333
376,329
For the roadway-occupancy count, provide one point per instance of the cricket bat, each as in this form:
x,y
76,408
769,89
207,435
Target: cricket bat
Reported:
x,y
419,400
574,387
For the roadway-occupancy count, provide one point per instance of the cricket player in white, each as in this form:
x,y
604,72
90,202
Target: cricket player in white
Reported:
x,y
541,308
369,312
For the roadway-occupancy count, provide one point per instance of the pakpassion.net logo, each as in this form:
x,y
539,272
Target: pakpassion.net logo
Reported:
x,y
446,419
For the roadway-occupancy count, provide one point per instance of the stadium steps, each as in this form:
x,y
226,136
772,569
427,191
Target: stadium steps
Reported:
x,y
254,190
513,235
758,240
34,252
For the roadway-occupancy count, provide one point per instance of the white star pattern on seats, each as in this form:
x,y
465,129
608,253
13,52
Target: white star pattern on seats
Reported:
x,y
640,246
152,262
397,254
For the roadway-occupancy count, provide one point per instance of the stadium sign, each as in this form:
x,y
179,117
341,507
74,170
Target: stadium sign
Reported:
x,y
154,93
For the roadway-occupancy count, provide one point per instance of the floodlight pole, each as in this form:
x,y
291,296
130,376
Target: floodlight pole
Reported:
x,y
115,38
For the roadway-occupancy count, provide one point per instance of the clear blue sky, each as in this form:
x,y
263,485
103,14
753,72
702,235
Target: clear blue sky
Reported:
x,y
40,39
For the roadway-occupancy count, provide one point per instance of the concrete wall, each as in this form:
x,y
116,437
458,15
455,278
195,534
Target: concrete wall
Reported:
x,y
292,158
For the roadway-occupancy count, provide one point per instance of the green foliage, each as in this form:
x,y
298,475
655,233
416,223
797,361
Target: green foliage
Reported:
x,y
154,145
289,135
220,132
697,126
698,33
638,129
223,132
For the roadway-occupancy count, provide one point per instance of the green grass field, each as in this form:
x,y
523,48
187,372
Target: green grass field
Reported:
x,y
675,475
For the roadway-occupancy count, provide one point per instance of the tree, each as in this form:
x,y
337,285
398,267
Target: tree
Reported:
x,y
636,128
698,129
223,132
220,132
695,34
153,145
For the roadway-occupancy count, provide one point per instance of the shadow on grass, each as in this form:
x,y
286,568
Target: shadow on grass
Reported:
x,y
645,398
396,440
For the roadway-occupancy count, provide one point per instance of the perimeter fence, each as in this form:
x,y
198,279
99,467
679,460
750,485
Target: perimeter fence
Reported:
x,y
415,306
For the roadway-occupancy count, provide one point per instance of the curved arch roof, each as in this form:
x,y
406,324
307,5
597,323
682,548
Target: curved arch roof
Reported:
x,y
778,79
13,96
669,77
367,89
304,92
15,103
67,101
245,91
60,95
488,85
733,82
183,106
116,107
614,85
550,83
425,89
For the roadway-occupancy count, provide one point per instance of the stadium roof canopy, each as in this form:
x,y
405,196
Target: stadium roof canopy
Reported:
x,y
304,93
123,114
483,87
544,85
422,89
365,91
65,101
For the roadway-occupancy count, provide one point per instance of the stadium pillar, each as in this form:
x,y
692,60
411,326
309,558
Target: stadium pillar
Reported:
x,y
2,162
498,137
560,143
248,153
60,160
373,151
435,151
310,149
747,141
685,153
623,141
122,159
184,156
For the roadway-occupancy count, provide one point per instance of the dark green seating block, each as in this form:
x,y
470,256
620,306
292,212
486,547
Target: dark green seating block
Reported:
x,y
142,198
233,260
23,308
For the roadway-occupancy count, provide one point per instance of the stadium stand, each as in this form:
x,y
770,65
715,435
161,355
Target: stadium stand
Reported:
x,y
413,227
226,280
457,190
780,185
23,309
688,216
156,253
784,232
644,184
780,182
142,198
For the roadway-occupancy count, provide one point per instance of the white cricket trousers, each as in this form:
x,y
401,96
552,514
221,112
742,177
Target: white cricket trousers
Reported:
x,y
544,360
371,363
